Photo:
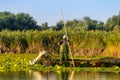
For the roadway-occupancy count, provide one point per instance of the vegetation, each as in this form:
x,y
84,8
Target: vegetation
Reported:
x,y
23,21
20,21
20,34
84,43
20,62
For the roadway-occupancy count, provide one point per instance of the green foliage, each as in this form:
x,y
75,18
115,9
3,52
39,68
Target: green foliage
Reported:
x,y
113,22
88,36
15,62
20,62
60,25
86,24
23,21
20,21
44,26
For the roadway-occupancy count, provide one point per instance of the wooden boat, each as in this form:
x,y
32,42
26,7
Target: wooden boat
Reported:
x,y
46,59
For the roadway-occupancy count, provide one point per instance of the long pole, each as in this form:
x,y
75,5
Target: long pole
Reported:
x,y
64,24
67,39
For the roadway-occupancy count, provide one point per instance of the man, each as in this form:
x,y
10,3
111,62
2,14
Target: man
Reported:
x,y
64,49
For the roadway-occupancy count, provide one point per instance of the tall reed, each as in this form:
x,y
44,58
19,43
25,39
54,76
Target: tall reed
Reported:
x,y
82,42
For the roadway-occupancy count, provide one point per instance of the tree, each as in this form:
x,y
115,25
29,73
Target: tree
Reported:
x,y
20,21
44,26
60,25
81,26
113,22
91,23
7,20
100,26
25,22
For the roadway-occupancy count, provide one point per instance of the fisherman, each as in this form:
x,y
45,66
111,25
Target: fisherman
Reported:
x,y
64,48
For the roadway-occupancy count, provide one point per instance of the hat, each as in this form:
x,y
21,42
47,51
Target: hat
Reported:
x,y
64,37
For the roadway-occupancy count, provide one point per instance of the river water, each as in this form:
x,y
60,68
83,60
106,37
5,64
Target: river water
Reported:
x,y
58,75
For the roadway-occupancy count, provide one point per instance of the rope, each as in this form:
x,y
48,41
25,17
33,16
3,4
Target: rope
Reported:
x,y
67,39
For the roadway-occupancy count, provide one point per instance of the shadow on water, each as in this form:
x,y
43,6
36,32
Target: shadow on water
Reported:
x,y
58,75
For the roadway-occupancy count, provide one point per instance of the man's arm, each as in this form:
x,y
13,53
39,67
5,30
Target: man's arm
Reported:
x,y
69,42
60,42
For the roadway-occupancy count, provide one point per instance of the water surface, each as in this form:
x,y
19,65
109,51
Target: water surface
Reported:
x,y
37,75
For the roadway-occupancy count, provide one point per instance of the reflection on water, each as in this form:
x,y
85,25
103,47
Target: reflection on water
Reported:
x,y
58,75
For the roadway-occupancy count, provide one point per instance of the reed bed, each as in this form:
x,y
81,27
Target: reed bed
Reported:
x,y
84,43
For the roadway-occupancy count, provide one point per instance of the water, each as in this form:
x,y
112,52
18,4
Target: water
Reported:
x,y
36,75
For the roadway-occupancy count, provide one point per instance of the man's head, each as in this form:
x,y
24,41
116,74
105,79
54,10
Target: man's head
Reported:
x,y
64,37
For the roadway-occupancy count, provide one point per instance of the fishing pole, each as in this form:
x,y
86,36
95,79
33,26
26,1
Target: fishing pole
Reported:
x,y
67,38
